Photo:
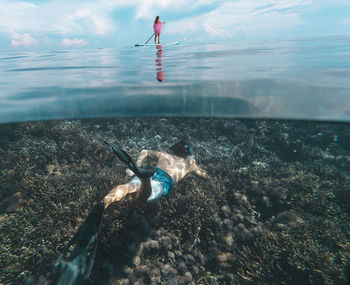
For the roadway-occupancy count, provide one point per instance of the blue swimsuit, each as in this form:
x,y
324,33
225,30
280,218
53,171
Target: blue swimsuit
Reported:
x,y
161,183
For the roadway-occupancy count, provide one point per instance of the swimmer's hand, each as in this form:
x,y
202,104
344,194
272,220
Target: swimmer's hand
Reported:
x,y
130,173
205,175
201,172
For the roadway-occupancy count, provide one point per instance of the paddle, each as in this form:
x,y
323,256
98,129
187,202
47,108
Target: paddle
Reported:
x,y
149,39
145,42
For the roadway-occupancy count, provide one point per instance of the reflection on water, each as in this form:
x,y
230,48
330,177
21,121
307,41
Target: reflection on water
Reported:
x,y
159,63
305,79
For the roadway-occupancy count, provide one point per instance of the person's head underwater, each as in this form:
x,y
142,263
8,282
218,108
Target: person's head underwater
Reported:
x,y
181,149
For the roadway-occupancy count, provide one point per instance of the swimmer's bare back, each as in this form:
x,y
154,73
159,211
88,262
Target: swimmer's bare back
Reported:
x,y
176,167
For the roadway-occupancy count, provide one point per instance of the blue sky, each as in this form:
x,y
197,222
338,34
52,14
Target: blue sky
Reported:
x,y
62,24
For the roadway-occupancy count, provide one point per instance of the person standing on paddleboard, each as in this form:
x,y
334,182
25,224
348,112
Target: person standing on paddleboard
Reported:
x,y
157,28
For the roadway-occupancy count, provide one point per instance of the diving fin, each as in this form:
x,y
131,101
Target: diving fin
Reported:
x,y
141,172
76,267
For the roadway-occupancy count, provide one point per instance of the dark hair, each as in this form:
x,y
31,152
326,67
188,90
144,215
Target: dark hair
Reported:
x,y
181,149
156,20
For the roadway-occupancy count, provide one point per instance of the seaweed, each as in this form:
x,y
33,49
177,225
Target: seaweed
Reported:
x,y
275,211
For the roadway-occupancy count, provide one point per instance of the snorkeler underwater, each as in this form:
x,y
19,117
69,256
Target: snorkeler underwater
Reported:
x,y
274,209
149,183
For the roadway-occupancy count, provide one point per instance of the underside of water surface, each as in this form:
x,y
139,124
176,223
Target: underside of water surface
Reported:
x,y
274,211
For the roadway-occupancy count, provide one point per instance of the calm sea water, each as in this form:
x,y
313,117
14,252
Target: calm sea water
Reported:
x,y
298,79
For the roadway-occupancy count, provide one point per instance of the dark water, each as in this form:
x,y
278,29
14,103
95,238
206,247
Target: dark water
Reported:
x,y
275,209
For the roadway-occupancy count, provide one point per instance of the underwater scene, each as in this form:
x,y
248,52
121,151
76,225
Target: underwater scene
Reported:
x,y
245,154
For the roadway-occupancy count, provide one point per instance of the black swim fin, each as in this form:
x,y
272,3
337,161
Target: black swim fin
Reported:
x,y
75,268
141,172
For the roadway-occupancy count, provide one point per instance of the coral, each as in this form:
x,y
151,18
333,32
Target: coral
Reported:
x,y
275,211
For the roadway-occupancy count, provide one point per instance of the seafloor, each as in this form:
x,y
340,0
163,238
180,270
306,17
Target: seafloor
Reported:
x,y
275,211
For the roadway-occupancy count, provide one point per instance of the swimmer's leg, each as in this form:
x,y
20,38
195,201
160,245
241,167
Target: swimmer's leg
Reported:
x,y
75,263
119,192
141,172
144,193
143,187
144,174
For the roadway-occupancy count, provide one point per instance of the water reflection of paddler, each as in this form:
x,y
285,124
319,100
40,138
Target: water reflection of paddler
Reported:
x,y
150,183
159,63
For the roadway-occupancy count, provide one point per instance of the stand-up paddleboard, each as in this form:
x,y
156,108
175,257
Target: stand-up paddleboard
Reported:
x,y
149,45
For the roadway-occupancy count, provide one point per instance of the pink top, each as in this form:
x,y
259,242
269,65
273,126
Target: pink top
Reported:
x,y
157,28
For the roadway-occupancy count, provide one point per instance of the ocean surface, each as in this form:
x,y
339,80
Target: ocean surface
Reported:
x,y
294,79
268,122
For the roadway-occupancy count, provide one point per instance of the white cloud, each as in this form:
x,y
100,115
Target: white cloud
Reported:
x,y
200,19
25,40
73,42
346,21
95,17
66,17
148,9
99,23
250,17
57,17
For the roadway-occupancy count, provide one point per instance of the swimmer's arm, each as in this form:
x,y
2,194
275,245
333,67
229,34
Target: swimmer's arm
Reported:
x,y
147,153
201,172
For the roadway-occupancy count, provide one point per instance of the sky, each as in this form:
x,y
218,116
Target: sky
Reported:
x,y
69,24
